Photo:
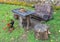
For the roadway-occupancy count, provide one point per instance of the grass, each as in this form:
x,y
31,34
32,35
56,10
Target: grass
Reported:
x,y
5,16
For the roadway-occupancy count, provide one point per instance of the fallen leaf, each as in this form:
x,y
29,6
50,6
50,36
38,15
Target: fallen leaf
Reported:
x,y
4,28
3,20
8,24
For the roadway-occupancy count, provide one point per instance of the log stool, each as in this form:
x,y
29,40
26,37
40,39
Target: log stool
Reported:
x,y
41,31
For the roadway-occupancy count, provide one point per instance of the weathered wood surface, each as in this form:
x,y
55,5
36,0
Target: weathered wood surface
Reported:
x,y
41,35
41,31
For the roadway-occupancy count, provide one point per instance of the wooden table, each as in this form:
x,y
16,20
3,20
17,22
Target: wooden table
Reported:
x,y
25,15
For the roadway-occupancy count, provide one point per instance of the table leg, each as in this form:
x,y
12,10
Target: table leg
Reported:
x,y
20,21
28,22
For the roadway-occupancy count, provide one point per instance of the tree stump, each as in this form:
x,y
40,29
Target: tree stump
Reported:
x,y
41,31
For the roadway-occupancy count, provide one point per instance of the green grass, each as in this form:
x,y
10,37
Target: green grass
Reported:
x,y
5,16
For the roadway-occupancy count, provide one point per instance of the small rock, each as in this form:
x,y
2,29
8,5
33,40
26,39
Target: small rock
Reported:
x,y
12,38
54,12
24,35
59,30
51,40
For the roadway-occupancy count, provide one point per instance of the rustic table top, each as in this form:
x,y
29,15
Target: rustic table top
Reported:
x,y
28,12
